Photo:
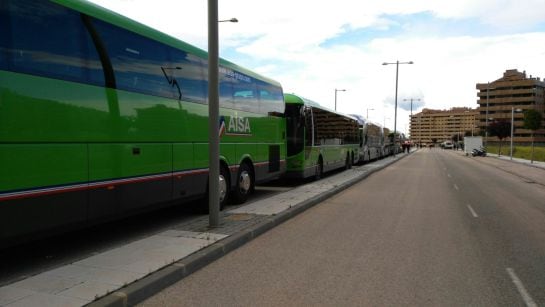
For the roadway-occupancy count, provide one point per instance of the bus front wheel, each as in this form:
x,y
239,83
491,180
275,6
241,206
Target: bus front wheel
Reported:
x,y
223,193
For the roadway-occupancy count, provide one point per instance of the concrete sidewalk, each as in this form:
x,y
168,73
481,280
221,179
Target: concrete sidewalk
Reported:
x,y
539,164
128,274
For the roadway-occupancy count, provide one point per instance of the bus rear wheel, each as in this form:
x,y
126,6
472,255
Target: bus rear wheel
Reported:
x,y
244,184
319,170
348,163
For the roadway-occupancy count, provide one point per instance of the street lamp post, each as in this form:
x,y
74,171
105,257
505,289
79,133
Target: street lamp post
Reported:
x,y
336,90
486,119
512,130
213,113
411,100
395,109
411,117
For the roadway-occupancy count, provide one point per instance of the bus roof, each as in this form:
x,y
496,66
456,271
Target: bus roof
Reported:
x,y
117,19
295,99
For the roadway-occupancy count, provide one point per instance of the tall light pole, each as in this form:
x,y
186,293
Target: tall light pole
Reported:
x,y
411,117
395,112
367,113
486,119
213,113
336,90
411,100
512,129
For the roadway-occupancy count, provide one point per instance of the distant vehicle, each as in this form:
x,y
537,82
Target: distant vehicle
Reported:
x,y
318,139
471,143
447,145
481,152
372,140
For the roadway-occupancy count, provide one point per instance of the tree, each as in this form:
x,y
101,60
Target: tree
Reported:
x,y
532,121
501,129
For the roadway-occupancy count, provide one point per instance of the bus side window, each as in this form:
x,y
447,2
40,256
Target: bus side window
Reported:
x,y
226,89
271,99
45,39
244,93
140,64
188,73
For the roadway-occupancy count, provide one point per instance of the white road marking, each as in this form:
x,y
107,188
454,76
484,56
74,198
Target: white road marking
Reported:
x,y
520,287
456,187
472,211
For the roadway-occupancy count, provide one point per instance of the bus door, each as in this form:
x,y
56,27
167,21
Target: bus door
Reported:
x,y
309,130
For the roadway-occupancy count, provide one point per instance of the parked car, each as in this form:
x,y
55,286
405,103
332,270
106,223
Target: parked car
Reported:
x,y
448,145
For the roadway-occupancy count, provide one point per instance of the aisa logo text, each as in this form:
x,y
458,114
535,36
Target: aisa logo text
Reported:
x,y
237,125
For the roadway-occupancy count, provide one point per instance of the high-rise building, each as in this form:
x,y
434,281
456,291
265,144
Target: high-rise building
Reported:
x,y
514,92
441,125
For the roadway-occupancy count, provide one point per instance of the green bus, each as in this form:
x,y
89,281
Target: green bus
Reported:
x,y
101,116
318,139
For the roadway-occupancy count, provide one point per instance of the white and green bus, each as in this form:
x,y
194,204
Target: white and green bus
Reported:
x,y
318,139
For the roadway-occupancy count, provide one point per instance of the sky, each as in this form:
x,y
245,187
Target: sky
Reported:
x,y
313,47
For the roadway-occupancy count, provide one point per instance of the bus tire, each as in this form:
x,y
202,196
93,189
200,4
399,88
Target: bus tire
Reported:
x,y
319,169
348,163
244,184
224,187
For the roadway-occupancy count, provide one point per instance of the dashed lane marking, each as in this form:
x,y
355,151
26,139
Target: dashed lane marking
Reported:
x,y
472,211
520,287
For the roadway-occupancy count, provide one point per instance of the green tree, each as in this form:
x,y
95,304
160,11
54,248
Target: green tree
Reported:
x,y
532,121
501,129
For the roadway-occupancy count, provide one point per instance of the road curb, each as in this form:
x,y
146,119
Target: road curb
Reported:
x,y
151,284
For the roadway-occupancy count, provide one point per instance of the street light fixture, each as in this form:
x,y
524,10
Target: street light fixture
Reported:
x,y
229,20
367,113
336,90
395,112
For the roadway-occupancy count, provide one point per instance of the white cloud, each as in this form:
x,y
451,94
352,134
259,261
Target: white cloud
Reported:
x,y
283,40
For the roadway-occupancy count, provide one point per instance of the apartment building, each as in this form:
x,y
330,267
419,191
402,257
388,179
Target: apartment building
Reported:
x,y
442,125
511,95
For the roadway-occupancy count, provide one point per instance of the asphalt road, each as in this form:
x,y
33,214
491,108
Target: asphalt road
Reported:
x,y
434,229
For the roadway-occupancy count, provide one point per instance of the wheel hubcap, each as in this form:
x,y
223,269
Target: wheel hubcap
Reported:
x,y
244,182
223,188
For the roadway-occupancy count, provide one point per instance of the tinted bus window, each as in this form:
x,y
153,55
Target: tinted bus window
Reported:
x,y
271,99
46,39
143,65
188,74
244,94
140,64
226,89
